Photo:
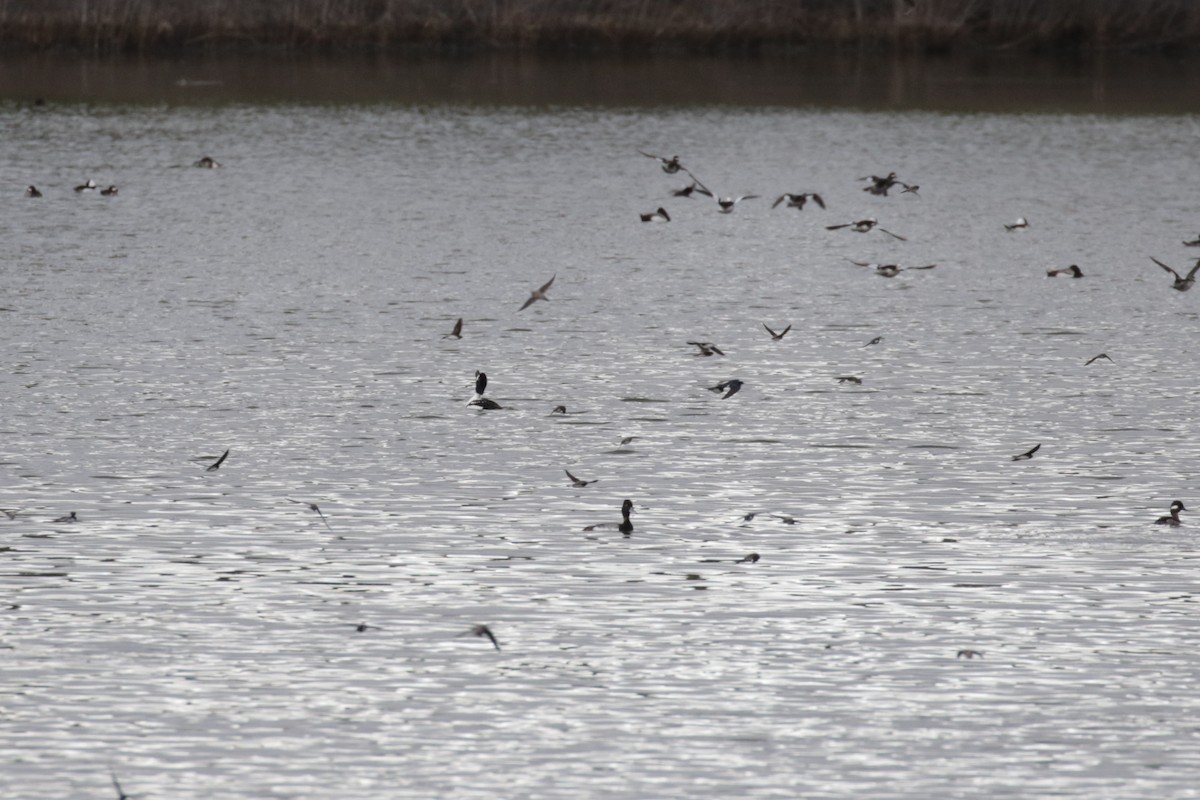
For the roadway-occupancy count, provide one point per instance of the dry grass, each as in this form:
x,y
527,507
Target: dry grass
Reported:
x,y
691,25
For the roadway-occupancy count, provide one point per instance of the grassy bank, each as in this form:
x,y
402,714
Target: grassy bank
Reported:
x,y
605,25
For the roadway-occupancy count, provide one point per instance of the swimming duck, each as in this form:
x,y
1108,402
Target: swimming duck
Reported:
x,y
457,332
32,191
109,191
729,387
777,336
1173,518
797,201
206,163
669,165
625,526
1072,271
68,518
479,400
880,185
89,186
863,226
559,410
578,482
748,559
539,294
707,349
216,465
1028,454
659,215
849,379
1016,226
1181,284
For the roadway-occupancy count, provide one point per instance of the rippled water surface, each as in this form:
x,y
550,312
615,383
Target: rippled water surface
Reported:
x,y
196,631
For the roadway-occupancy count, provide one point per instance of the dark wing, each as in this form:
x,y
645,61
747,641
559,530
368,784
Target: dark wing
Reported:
x,y
774,335
715,349
457,328
547,285
782,197
860,263
1168,269
784,331
817,199
480,382
1192,272
926,266
894,235
838,227
217,464
700,187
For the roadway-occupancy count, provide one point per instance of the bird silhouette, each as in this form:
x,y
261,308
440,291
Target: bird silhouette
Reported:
x,y
539,294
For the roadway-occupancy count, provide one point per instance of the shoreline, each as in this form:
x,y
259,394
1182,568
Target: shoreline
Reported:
x,y
684,27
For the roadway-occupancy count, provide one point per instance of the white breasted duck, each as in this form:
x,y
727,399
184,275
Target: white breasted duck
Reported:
x,y
1173,518
109,191
89,186
1072,271
1018,225
658,215
479,400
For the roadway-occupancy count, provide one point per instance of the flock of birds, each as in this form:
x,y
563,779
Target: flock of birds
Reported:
x,y
111,190
876,185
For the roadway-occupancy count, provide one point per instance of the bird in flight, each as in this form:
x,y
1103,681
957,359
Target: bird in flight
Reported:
x,y
315,509
864,225
777,336
1181,284
659,215
578,482
707,349
1018,225
729,387
216,465
457,332
483,631
1095,358
797,201
539,294
669,165
1028,454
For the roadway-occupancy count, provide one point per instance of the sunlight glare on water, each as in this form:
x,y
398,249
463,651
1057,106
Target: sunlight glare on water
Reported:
x,y
195,631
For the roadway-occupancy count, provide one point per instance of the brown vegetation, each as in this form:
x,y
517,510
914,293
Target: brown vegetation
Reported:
x,y
690,25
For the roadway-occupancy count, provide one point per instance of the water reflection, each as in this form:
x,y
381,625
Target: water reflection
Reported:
x,y
1099,83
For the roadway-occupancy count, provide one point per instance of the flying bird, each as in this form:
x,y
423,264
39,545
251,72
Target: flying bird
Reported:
x,y
863,226
314,508
888,270
1072,271
669,165
117,785
797,201
1018,225
539,294
686,191
578,482
707,349
457,332
1028,454
216,465
659,215
483,631
777,336
880,185
876,340
729,387
1094,358
1181,284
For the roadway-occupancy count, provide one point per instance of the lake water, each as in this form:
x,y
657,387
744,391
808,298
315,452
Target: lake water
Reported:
x,y
196,632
